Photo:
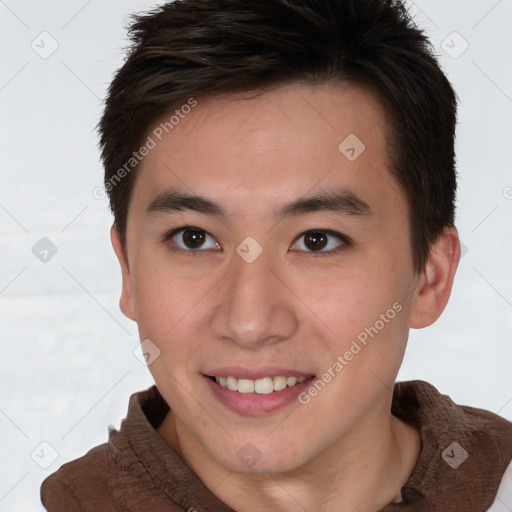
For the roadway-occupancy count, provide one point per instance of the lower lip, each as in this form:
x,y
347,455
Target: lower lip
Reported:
x,y
255,404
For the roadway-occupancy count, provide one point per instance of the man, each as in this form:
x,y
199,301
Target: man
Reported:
x,y
281,222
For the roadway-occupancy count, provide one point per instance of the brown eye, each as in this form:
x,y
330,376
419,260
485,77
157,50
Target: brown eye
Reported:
x,y
193,239
190,239
321,243
315,241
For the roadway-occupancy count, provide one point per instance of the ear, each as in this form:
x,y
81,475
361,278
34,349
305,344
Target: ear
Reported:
x,y
435,283
126,301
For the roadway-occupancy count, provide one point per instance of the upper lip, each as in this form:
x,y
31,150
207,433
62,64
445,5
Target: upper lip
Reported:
x,y
255,373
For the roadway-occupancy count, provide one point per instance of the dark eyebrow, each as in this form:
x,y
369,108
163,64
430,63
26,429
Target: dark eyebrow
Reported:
x,y
342,201
171,201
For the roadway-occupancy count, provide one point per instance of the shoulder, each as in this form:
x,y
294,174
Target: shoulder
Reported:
x,y
465,461
503,500
421,403
66,488
133,470
57,495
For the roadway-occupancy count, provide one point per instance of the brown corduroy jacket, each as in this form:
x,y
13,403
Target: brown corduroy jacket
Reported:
x,y
464,464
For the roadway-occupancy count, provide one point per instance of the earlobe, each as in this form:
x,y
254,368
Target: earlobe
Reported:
x,y
126,302
435,283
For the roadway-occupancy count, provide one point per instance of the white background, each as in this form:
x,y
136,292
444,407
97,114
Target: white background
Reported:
x,y
67,361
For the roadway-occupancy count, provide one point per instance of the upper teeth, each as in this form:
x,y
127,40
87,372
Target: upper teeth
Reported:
x,y
262,386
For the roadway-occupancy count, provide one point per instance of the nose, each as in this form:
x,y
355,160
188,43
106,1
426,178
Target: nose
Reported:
x,y
255,307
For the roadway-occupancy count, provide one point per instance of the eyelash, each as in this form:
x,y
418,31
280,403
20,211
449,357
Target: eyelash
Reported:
x,y
346,241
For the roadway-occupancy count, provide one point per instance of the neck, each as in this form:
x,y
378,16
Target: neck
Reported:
x,y
378,454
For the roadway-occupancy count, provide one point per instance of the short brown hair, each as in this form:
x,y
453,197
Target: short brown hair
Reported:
x,y
198,48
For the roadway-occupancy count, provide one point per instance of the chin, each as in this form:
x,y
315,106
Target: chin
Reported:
x,y
250,460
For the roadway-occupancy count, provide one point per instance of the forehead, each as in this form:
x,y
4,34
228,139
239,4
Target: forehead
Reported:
x,y
253,149
276,120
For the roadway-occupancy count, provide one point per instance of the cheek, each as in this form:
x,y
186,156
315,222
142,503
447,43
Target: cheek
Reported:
x,y
349,304
172,311
165,316
164,297
153,298
164,307
368,308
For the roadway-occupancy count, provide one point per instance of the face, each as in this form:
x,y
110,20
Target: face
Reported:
x,y
257,283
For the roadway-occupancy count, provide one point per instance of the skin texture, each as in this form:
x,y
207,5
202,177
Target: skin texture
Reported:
x,y
292,307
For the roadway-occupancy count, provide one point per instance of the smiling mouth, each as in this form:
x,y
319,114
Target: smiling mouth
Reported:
x,y
263,386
